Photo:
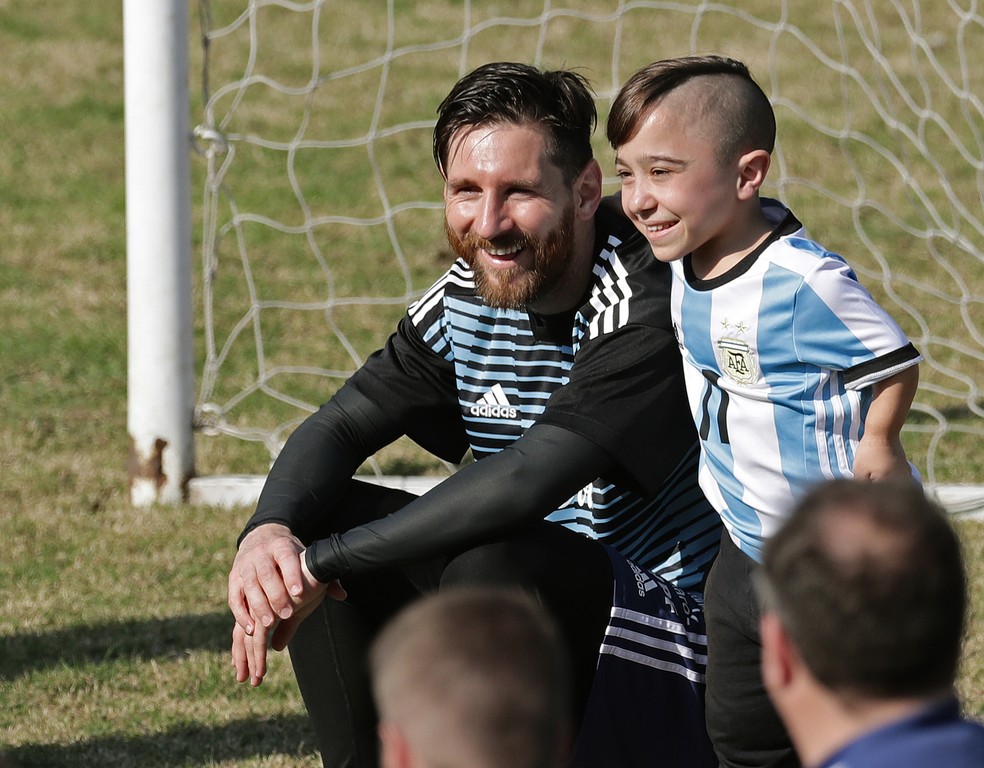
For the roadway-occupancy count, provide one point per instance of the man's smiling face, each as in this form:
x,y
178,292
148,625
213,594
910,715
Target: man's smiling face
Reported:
x,y
509,213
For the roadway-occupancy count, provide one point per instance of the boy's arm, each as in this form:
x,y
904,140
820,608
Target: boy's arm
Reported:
x,y
880,455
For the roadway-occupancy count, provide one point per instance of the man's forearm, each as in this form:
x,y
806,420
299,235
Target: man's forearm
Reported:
x,y
520,484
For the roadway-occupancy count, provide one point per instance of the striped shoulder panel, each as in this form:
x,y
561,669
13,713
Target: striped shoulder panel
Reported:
x,y
460,277
800,255
608,306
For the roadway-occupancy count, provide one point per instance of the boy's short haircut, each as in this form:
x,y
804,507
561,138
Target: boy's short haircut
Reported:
x,y
728,101
867,579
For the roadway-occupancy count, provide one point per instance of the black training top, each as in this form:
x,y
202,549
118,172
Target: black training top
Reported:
x,y
581,418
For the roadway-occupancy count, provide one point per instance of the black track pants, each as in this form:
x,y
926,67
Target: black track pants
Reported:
x,y
569,574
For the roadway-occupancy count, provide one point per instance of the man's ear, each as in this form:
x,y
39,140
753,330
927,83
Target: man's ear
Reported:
x,y
394,751
587,190
779,656
752,169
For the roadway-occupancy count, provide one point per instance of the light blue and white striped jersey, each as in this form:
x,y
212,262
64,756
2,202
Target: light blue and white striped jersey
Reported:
x,y
779,355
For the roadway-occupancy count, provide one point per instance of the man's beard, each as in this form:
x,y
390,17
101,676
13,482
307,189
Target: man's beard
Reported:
x,y
516,287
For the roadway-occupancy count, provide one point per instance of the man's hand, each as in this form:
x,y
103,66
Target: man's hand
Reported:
x,y
249,655
265,578
249,651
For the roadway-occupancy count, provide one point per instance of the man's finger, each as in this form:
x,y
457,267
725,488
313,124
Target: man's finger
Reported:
x,y
256,646
256,592
239,661
336,591
272,581
238,605
289,564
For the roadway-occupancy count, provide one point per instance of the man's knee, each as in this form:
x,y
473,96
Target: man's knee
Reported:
x,y
497,563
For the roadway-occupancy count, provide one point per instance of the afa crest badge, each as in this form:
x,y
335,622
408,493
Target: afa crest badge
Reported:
x,y
737,360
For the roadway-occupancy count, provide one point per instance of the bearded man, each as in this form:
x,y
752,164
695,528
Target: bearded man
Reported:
x,y
547,351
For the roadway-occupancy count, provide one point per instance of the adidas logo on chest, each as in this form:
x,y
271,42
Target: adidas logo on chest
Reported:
x,y
494,405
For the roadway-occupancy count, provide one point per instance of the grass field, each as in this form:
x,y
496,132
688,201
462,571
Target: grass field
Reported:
x,y
113,628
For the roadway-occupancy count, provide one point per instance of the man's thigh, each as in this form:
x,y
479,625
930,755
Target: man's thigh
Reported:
x,y
569,574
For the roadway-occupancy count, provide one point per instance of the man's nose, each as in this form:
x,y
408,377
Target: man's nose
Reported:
x,y
493,218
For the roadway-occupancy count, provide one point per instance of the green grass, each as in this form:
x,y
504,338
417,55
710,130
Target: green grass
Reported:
x,y
113,629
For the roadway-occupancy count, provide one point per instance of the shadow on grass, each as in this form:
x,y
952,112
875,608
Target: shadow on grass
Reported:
x,y
136,639
188,745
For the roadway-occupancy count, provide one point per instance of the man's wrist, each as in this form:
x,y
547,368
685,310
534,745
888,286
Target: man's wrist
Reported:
x,y
312,563
309,577
254,525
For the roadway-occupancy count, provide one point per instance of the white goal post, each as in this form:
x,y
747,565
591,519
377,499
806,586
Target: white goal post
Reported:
x,y
160,359
320,208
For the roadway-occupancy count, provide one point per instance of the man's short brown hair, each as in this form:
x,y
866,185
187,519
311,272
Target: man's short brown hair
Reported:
x,y
867,579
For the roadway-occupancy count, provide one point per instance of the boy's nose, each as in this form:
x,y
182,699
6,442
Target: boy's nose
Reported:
x,y
638,199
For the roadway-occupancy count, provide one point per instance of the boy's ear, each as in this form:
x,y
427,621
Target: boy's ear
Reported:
x,y
752,169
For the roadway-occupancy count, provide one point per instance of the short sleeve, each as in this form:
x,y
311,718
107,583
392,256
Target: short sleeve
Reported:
x,y
838,325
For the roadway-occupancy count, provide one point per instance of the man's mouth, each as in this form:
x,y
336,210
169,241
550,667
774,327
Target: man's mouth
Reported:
x,y
503,252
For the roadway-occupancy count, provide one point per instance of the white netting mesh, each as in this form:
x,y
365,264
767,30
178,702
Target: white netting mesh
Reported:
x,y
321,216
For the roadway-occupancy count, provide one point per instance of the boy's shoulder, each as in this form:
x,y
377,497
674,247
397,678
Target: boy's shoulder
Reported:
x,y
792,246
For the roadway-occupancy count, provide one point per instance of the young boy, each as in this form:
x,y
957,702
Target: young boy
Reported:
x,y
794,374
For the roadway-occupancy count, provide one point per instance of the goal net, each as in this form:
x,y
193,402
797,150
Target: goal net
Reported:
x,y
321,214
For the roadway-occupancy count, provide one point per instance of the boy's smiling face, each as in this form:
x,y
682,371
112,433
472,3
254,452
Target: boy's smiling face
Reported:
x,y
675,188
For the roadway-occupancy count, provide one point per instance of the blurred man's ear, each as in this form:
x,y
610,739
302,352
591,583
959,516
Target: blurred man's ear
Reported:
x,y
778,654
394,751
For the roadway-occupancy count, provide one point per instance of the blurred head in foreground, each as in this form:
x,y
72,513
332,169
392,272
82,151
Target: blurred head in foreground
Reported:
x,y
864,599
471,677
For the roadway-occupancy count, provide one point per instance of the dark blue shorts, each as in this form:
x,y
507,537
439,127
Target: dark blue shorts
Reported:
x,y
647,702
